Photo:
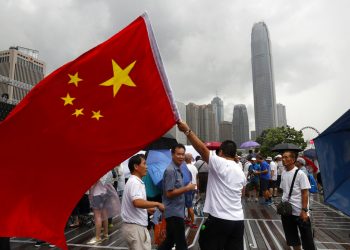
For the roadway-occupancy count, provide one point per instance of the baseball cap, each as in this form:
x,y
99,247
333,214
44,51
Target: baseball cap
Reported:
x,y
253,159
301,160
269,158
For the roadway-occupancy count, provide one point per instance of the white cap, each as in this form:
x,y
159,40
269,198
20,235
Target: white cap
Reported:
x,y
253,159
301,160
278,156
269,158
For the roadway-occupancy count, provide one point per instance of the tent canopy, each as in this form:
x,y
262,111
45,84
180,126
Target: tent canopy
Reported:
x,y
333,151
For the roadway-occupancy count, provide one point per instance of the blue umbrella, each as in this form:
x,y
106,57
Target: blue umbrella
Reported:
x,y
310,153
157,161
249,144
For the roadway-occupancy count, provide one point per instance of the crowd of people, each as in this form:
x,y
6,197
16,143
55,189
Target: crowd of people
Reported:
x,y
219,180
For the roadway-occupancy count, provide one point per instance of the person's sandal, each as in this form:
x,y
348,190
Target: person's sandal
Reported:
x,y
74,225
94,241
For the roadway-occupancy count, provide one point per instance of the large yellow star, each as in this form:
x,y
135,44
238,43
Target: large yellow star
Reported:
x,y
96,115
68,100
78,112
120,77
74,79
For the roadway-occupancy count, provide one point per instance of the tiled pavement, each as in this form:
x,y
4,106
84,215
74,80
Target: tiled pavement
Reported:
x,y
263,230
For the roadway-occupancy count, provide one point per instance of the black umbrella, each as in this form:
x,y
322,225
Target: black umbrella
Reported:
x,y
161,143
286,147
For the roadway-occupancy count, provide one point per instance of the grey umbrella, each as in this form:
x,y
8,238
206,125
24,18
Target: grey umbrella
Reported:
x,y
285,147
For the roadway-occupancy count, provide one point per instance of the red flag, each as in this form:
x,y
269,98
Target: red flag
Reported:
x,y
75,125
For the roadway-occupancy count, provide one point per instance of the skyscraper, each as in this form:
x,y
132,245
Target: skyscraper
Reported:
x,y
20,70
240,124
225,131
218,104
263,81
281,115
203,121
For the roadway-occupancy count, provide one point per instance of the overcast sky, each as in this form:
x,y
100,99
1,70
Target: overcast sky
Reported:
x,y
205,46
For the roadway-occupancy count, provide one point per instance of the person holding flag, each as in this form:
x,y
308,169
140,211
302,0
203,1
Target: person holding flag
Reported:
x,y
224,228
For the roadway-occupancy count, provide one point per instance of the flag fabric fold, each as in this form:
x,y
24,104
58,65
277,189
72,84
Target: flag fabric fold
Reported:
x,y
75,125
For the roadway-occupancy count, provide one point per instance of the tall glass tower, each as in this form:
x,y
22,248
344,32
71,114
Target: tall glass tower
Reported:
x,y
219,106
240,124
263,82
281,115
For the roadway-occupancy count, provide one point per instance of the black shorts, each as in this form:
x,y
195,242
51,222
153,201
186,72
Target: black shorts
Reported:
x,y
253,185
218,233
291,224
264,184
273,184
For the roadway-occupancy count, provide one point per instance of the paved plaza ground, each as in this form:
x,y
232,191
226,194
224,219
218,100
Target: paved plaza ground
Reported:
x,y
263,230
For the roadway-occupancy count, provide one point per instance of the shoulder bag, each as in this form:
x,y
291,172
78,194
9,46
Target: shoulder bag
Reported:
x,y
284,208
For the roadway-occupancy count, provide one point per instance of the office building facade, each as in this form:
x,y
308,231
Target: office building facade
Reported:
x,y
240,124
202,119
281,115
20,71
225,131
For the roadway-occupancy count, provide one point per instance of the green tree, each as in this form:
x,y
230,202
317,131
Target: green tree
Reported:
x,y
273,136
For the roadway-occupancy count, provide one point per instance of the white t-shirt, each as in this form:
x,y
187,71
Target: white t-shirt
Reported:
x,y
194,172
301,182
280,167
246,168
134,189
225,183
273,167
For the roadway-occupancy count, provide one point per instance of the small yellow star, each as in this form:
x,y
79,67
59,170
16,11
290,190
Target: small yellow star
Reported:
x,y
74,79
68,100
78,112
96,115
120,77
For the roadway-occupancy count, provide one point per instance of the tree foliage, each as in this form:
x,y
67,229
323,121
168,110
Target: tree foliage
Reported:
x,y
273,136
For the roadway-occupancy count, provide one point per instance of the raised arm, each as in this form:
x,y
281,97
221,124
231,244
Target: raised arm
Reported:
x,y
195,141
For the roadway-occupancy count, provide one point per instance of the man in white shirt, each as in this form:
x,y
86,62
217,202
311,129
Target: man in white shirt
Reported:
x,y
189,197
224,227
300,218
135,206
273,176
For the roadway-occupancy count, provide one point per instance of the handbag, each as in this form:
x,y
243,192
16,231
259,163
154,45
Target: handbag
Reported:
x,y
284,208
160,232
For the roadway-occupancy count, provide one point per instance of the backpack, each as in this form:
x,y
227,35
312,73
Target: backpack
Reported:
x,y
313,184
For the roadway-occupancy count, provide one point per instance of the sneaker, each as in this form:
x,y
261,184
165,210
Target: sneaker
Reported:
x,y
94,241
193,226
187,222
268,203
105,237
39,243
52,246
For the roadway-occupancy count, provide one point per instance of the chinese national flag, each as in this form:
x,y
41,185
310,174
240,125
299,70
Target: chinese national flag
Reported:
x,y
75,125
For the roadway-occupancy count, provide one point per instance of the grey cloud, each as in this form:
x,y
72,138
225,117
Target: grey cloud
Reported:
x,y
205,45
